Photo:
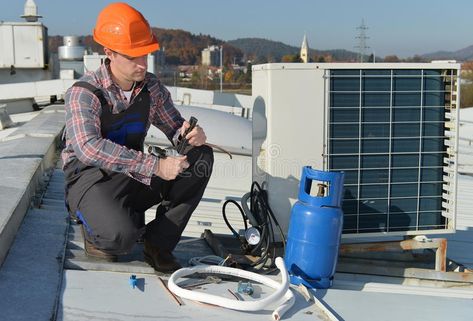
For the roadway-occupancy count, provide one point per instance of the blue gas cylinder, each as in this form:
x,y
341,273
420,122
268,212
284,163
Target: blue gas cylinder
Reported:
x,y
315,230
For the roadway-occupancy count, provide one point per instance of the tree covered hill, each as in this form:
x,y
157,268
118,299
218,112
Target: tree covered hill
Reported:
x,y
263,50
184,48
464,54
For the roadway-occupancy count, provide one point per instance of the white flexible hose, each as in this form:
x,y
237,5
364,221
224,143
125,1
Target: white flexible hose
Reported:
x,y
282,293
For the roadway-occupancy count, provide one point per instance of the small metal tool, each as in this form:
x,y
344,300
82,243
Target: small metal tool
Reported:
x,y
188,284
236,295
245,288
181,148
157,151
184,143
165,286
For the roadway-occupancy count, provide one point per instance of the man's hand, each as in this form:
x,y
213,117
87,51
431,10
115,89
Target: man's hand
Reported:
x,y
171,166
196,137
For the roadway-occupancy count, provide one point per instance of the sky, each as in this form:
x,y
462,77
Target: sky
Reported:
x,y
397,27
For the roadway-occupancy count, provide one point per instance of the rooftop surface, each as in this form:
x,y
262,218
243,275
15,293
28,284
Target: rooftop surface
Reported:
x,y
46,277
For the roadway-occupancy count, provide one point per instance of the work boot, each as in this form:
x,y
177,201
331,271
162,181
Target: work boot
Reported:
x,y
94,252
161,260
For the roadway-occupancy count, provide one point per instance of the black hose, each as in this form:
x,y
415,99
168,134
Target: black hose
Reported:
x,y
224,214
265,219
264,199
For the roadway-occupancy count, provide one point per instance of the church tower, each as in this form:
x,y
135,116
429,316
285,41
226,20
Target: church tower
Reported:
x,y
305,50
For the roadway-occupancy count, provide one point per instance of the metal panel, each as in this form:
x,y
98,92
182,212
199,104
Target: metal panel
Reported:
x,y
28,46
7,58
288,130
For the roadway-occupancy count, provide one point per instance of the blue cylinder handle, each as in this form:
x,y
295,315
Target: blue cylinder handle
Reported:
x,y
335,181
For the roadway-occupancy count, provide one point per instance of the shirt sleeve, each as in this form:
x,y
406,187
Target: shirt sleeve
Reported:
x,y
83,133
164,114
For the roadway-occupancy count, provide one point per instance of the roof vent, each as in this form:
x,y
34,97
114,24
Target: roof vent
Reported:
x,y
31,11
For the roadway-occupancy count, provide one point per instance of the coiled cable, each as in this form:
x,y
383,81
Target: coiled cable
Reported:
x,y
260,215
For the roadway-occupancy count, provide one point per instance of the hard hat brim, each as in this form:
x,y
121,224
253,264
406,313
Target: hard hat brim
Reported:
x,y
140,51
133,52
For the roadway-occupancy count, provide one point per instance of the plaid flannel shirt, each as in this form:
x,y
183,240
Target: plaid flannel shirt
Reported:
x,y
84,140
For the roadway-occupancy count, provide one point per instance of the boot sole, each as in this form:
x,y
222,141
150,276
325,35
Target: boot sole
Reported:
x,y
158,271
106,258
101,258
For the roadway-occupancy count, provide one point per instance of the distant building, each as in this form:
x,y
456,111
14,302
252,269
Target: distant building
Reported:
x,y
160,56
211,56
305,50
186,71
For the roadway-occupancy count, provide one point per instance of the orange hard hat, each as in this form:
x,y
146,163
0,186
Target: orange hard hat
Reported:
x,y
123,29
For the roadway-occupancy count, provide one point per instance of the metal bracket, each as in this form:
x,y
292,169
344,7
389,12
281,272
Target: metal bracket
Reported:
x,y
439,244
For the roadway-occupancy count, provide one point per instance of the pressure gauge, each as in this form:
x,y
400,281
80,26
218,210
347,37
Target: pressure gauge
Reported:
x,y
252,236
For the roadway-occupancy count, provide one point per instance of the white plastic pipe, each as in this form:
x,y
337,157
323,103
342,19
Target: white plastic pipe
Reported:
x,y
282,294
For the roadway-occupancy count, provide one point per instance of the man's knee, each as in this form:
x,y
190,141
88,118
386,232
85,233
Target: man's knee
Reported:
x,y
125,238
207,152
204,159
117,240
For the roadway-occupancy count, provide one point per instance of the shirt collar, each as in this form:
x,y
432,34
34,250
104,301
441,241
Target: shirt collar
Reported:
x,y
107,80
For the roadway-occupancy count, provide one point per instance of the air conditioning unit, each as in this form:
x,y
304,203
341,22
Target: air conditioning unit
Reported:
x,y
391,127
